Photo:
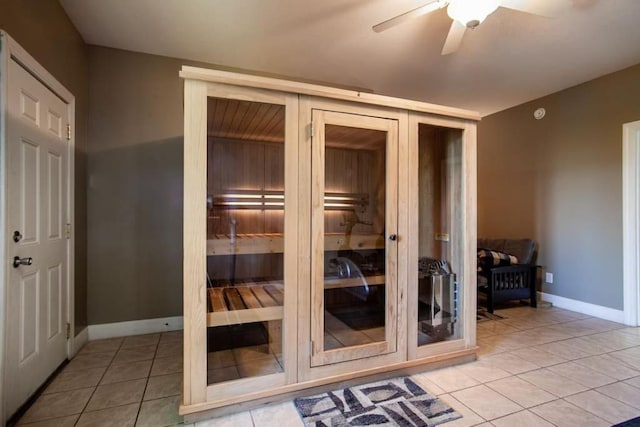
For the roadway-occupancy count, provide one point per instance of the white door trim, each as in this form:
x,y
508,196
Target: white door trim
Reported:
x,y
11,50
631,221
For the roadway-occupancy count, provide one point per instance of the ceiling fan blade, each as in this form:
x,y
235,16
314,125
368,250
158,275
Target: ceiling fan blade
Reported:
x,y
548,8
454,38
422,10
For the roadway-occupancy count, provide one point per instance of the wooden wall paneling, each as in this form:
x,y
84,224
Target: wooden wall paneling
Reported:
x,y
414,241
318,180
293,241
264,83
470,233
404,235
304,240
194,267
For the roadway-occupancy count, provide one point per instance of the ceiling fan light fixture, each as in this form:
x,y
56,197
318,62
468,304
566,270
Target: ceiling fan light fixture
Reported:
x,y
471,13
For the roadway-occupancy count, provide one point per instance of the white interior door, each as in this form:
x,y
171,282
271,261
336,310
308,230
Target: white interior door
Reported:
x,y
37,213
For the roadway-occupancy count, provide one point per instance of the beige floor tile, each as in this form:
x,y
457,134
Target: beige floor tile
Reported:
x,y
629,356
126,371
259,367
614,340
117,394
510,363
572,329
110,345
552,382
75,379
219,375
69,421
169,349
563,350
220,359
539,357
451,379
631,331
565,414
634,382
522,392
622,392
163,386
160,412
141,340
135,354
89,360
428,385
121,416
483,372
235,420
167,365
610,366
486,402
282,415
172,336
582,374
469,418
521,419
603,406
57,405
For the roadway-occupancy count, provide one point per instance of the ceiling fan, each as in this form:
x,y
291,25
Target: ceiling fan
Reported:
x,y
470,13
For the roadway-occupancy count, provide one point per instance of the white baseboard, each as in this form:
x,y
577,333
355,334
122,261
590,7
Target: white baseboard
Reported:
x,y
79,340
135,327
599,311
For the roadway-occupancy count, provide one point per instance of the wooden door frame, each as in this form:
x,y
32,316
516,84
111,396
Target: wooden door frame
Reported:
x,y
10,50
631,222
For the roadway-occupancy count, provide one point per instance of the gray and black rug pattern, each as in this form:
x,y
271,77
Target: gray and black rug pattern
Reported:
x,y
394,402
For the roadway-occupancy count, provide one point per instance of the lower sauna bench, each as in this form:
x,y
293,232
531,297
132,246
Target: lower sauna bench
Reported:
x,y
245,303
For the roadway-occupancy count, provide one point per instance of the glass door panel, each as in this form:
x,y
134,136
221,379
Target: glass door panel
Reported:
x,y
439,233
245,239
354,252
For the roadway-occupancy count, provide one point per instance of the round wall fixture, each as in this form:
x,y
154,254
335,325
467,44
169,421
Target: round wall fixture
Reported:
x,y
539,113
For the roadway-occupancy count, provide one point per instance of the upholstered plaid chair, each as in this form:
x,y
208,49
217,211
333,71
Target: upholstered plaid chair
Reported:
x,y
507,270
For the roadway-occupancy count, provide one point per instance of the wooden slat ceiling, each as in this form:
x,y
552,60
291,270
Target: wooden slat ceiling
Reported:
x,y
256,121
245,120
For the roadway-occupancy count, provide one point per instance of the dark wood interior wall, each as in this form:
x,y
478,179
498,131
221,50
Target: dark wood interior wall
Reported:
x,y
440,191
245,165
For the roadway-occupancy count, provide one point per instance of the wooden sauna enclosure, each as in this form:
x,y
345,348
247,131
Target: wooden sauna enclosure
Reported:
x,y
245,178
328,235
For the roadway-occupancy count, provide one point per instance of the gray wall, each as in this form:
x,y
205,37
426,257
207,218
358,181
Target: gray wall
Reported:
x,y
43,29
559,181
134,186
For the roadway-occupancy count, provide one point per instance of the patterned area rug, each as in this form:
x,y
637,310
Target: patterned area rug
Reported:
x,y
394,402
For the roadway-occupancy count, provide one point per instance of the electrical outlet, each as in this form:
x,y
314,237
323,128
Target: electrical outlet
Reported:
x,y
548,277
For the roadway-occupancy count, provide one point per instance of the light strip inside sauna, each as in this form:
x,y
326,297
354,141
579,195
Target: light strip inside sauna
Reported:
x,y
275,200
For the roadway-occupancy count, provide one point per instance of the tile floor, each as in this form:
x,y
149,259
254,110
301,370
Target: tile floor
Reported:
x,y
537,367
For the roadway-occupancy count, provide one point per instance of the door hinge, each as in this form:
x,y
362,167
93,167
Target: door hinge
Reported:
x,y
68,132
67,230
310,347
68,330
311,130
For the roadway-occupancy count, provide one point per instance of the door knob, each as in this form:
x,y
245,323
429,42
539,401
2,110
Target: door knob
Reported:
x,y
393,237
17,236
17,261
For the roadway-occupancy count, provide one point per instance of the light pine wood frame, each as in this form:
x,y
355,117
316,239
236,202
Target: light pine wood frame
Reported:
x,y
311,220
301,98
462,249
195,387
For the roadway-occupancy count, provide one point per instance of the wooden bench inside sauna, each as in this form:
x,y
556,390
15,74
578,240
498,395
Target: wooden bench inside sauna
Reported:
x,y
244,300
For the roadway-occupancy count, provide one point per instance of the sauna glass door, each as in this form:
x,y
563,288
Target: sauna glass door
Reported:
x,y
354,242
246,267
437,255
